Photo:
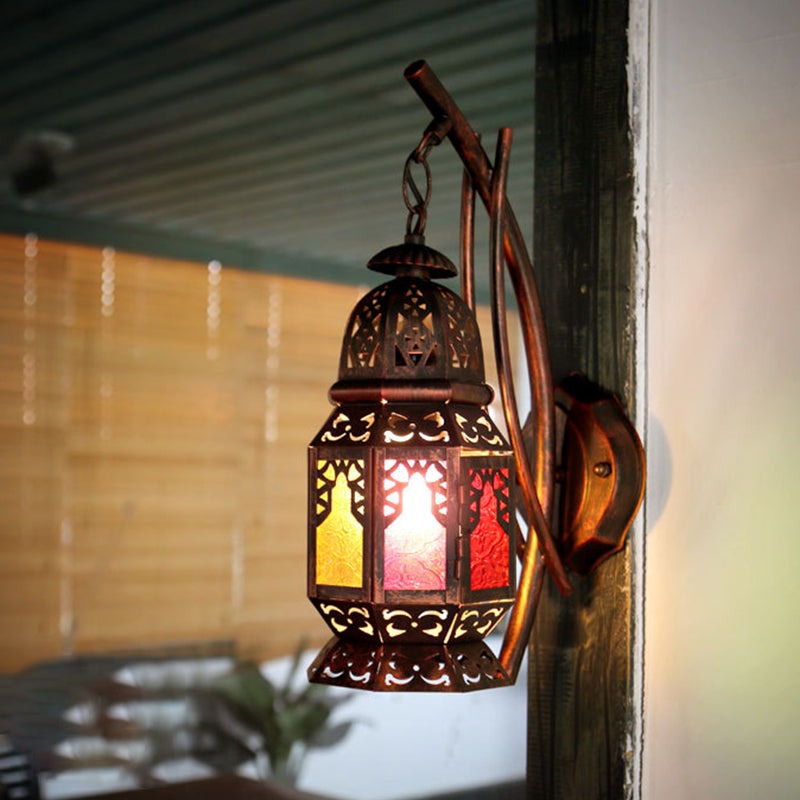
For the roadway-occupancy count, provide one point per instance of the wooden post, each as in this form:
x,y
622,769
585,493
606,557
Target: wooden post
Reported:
x,y
580,666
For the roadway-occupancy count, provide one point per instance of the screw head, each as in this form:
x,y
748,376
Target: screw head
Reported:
x,y
602,469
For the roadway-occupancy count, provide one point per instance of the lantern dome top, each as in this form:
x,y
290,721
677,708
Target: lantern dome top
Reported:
x,y
414,333
413,257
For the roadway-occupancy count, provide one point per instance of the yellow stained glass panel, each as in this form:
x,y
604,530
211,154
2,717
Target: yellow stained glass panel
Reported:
x,y
340,538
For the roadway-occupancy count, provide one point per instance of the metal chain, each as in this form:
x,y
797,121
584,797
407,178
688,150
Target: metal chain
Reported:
x,y
418,207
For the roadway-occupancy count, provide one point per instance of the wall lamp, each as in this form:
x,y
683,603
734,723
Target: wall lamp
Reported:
x,y
413,536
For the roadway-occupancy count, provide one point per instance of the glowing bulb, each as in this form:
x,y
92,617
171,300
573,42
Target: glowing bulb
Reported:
x,y
417,502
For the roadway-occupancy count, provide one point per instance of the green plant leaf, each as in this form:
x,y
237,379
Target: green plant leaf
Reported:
x,y
294,666
287,720
301,722
226,754
330,736
252,697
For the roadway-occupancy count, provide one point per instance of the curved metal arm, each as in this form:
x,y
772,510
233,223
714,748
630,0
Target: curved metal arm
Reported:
x,y
538,476
466,241
524,612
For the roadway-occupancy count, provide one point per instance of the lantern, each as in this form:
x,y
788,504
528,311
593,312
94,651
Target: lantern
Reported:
x,y
410,481
412,537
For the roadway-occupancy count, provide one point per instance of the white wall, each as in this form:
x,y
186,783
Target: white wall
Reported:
x,y
418,744
722,653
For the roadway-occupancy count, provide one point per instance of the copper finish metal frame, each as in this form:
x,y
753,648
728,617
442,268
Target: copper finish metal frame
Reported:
x,y
603,469
579,466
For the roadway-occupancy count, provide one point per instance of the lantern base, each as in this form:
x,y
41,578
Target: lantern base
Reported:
x,y
407,668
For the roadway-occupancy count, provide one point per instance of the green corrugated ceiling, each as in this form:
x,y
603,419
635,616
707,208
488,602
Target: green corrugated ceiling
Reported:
x,y
272,134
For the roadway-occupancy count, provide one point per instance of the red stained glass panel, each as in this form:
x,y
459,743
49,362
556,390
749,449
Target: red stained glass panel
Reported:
x,y
489,542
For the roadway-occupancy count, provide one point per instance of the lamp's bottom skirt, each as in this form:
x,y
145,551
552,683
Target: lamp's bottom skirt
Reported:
x,y
407,668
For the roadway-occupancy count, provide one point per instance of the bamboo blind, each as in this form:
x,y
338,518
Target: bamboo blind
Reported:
x,y
154,418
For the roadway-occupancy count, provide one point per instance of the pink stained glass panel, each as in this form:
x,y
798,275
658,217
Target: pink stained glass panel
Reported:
x,y
415,538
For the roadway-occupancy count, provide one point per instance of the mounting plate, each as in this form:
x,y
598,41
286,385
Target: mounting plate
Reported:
x,y
603,469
